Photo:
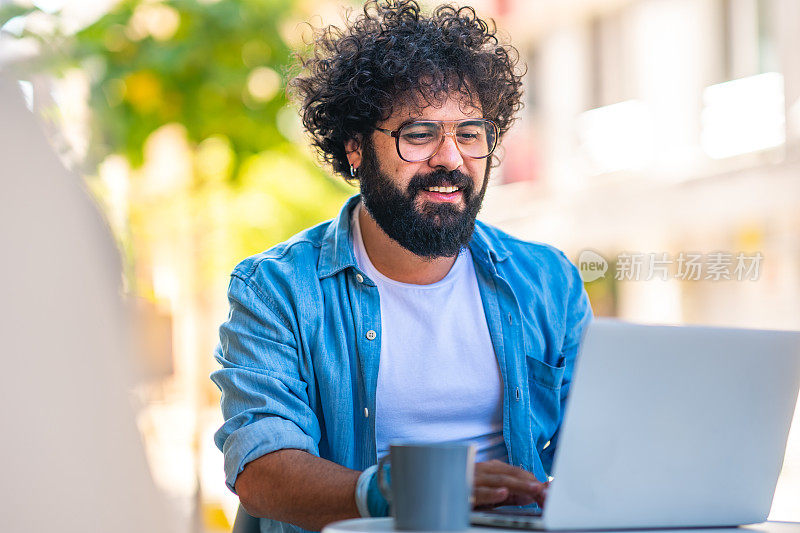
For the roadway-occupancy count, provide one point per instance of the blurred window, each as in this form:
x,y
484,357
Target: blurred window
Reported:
x,y
748,38
611,75
533,82
743,115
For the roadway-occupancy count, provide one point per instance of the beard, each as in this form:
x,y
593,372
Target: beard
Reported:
x,y
435,229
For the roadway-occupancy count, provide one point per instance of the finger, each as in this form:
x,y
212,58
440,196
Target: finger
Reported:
x,y
516,499
539,494
488,496
498,467
515,485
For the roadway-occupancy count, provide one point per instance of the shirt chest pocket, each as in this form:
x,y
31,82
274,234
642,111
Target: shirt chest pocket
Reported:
x,y
544,382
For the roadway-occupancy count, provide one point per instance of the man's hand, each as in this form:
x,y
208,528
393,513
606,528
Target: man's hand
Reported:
x,y
498,483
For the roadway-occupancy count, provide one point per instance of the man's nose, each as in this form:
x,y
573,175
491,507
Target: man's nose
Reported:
x,y
448,155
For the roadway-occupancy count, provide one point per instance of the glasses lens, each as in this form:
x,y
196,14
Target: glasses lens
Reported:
x,y
476,138
419,140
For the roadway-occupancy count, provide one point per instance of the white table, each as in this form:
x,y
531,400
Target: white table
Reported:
x,y
381,525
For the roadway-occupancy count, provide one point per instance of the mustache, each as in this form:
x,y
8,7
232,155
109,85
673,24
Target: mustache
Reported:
x,y
440,178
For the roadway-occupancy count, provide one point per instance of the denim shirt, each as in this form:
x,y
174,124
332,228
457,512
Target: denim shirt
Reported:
x,y
300,349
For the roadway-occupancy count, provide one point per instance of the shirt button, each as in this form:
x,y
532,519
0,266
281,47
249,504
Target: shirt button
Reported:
x,y
366,413
517,393
371,335
359,278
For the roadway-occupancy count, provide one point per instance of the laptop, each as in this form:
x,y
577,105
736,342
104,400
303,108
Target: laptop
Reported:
x,y
668,427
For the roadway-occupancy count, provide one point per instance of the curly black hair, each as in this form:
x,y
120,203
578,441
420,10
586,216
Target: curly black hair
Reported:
x,y
392,54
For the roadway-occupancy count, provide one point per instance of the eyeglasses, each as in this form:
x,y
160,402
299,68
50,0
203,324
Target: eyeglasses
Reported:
x,y
421,139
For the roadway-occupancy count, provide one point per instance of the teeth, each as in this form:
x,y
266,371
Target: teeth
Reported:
x,y
442,189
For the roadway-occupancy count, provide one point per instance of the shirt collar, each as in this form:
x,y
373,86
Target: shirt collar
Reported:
x,y
485,244
337,243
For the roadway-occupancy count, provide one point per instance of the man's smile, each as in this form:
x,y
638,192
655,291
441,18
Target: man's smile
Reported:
x,y
452,189
442,189
442,194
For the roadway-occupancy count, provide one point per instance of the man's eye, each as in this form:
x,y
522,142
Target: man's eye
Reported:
x,y
468,137
418,138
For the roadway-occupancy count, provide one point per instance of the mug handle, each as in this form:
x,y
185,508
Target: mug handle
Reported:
x,y
383,486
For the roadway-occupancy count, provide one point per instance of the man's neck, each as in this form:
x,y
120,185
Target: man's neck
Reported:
x,y
394,261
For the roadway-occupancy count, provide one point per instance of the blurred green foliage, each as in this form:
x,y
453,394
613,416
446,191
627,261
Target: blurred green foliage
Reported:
x,y
186,62
218,70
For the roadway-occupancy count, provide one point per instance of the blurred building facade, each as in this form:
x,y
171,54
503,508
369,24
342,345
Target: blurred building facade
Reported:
x,y
661,126
657,130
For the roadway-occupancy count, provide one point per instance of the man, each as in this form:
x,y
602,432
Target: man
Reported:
x,y
402,318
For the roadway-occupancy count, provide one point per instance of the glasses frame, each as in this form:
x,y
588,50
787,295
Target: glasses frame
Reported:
x,y
451,133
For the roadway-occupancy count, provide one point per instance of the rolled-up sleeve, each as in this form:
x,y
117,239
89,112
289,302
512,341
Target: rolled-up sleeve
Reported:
x,y
264,400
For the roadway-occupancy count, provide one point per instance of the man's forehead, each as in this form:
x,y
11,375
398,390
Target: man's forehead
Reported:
x,y
449,106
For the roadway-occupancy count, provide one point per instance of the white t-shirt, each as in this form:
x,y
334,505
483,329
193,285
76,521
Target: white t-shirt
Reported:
x,y
438,378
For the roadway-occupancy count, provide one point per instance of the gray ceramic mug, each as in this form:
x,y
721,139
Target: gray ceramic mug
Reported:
x,y
431,485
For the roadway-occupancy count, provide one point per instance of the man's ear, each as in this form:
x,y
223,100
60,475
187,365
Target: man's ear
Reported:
x,y
352,148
